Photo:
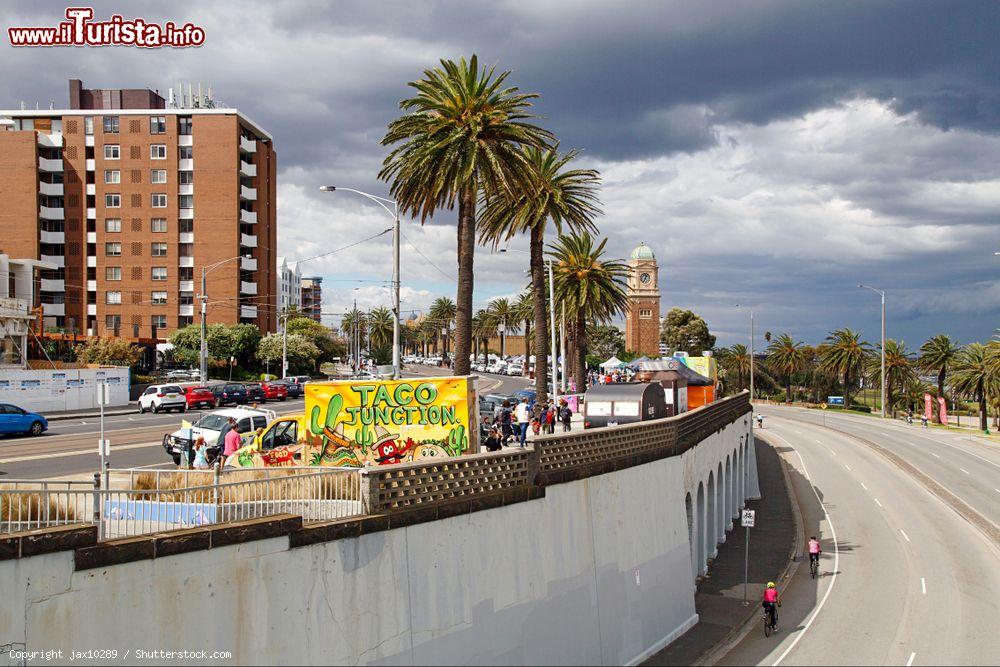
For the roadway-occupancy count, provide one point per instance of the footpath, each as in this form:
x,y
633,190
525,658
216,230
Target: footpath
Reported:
x,y
719,598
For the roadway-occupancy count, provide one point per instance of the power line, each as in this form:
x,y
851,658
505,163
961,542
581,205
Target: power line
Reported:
x,y
412,245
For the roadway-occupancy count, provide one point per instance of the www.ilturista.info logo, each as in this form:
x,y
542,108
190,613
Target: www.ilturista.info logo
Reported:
x,y
80,30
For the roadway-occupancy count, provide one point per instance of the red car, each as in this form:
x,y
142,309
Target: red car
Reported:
x,y
198,397
274,391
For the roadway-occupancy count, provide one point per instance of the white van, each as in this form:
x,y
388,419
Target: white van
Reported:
x,y
210,426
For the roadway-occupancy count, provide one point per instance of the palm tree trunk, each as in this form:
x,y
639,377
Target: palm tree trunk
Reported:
x,y
941,376
538,297
466,256
527,349
581,350
983,418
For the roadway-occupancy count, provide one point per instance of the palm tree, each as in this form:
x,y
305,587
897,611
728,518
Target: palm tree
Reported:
x,y
502,312
936,355
844,355
974,376
442,314
461,135
786,356
899,370
484,327
567,197
380,325
592,287
735,361
524,311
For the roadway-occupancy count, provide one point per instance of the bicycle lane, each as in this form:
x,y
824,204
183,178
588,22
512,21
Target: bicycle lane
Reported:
x,y
854,583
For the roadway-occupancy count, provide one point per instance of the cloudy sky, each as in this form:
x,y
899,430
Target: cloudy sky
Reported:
x,y
774,154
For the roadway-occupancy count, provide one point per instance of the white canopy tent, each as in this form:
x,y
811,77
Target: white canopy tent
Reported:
x,y
612,363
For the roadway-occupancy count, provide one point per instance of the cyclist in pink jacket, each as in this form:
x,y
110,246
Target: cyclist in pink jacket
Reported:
x,y
814,550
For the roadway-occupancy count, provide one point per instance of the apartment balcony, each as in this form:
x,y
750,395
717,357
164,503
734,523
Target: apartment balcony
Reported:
x,y
92,309
248,263
91,285
91,237
52,285
249,217
248,312
51,213
185,165
46,164
186,214
58,260
89,140
186,286
91,214
50,189
91,262
54,309
248,169
248,241
248,194
185,237
186,262
248,145
91,165
185,140
248,288
92,189
50,140
185,189
187,310
52,237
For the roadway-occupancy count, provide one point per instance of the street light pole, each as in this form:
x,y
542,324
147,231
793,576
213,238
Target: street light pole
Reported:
x,y
203,352
284,345
555,360
881,294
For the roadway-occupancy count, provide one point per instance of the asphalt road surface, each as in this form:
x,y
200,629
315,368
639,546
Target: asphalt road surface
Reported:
x,y
69,447
904,578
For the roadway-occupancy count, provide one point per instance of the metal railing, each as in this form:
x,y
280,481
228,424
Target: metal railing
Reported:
x,y
184,499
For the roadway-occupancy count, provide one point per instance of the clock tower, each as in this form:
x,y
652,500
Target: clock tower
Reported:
x,y
642,320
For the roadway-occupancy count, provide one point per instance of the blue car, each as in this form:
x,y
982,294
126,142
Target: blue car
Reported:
x,y
17,420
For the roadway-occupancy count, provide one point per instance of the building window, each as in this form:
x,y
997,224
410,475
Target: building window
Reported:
x,y
159,250
159,201
185,153
185,201
157,152
158,321
186,299
158,176
112,224
186,178
159,224
185,250
113,298
113,249
185,226
112,176
184,125
112,201
112,152
113,322
111,125
159,273
185,273
157,125
159,298
88,125
645,313
112,273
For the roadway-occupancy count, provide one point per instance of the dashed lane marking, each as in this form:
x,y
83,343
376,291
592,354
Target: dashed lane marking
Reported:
x,y
937,456
923,585
863,486
907,537
964,470
910,661
877,502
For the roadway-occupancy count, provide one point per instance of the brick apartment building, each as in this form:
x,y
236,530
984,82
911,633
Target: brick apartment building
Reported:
x,y
130,200
312,297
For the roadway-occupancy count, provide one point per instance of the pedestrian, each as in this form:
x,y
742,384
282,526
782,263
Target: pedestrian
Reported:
x,y
200,454
506,420
495,441
523,421
232,441
565,415
550,418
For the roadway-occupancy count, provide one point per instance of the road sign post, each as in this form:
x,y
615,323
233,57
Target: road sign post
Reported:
x,y
104,446
747,518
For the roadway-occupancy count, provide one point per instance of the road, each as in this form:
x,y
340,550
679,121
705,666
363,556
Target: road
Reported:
x,y
904,579
69,447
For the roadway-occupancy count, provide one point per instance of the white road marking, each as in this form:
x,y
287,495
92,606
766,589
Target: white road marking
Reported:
x,y
848,467
904,534
964,470
833,452
836,562
877,502
863,486
997,490
82,422
935,455
56,455
910,661
923,585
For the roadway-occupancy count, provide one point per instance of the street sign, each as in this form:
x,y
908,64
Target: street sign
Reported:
x,y
835,400
823,406
103,394
104,447
747,518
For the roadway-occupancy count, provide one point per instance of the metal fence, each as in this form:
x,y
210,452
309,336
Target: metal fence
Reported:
x,y
168,501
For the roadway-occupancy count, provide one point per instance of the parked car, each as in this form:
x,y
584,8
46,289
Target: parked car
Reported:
x,y
159,397
515,370
18,420
199,397
293,388
182,374
229,393
255,393
274,391
211,426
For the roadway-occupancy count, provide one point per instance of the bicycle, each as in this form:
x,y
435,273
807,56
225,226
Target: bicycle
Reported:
x,y
813,567
770,627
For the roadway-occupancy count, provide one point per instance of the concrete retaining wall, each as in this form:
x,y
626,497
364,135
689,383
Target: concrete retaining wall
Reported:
x,y
598,571
62,389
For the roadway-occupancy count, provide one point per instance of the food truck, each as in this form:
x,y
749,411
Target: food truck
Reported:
x,y
358,423
623,403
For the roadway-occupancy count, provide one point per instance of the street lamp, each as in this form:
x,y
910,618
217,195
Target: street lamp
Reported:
x,y
394,212
203,353
881,293
751,352
552,331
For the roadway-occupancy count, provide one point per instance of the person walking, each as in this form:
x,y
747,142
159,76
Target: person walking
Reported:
x,y
506,422
523,421
232,441
565,415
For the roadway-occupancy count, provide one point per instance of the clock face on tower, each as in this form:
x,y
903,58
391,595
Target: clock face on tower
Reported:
x,y
644,278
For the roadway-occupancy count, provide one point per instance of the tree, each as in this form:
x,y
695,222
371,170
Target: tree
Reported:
x,y
567,197
974,376
502,312
844,355
380,324
330,346
442,315
108,351
685,331
936,355
606,341
785,356
302,353
484,327
223,341
245,338
735,364
590,285
461,135
524,311
898,370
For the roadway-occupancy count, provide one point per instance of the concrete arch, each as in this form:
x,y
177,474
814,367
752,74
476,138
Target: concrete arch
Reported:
x,y
692,539
700,529
727,511
711,518
720,506
737,499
